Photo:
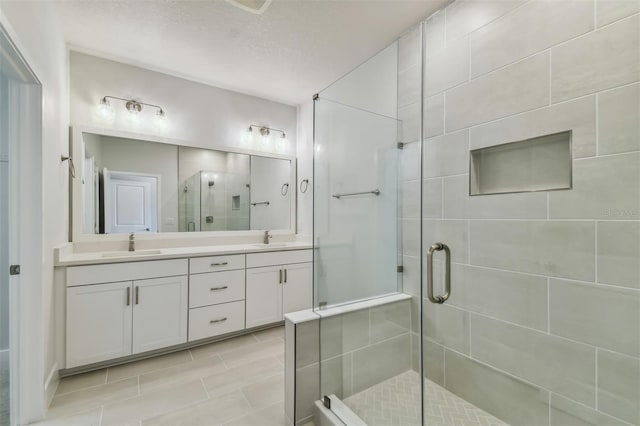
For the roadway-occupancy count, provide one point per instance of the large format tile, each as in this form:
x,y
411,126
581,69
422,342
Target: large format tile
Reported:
x,y
136,368
85,418
511,90
446,326
409,117
265,349
270,333
618,118
409,45
409,86
344,333
519,35
433,120
223,346
431,198
81,381
619,253
510,296
307,343
604,316
608,11
210,412
131,411
179,374
390,320
376,363
265,392
453,233
227,381
466,16
434,32
557,248
600,60
410,199
409,162
411,237
270,416
603,188
307,390
618,386
554,363
565,412
448,68
446,155
578,115
433,358
458,204
86,399
507,398
336,376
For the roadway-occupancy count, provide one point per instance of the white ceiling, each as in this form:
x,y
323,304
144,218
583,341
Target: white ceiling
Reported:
x,y
295,49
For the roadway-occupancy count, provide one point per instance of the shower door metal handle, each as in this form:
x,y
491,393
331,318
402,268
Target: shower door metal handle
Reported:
x,y
447,273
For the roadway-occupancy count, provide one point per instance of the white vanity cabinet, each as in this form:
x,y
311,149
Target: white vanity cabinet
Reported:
x,y
277,283
108,317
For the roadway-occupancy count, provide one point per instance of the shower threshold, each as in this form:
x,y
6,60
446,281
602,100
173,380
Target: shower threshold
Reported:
x,y
396,402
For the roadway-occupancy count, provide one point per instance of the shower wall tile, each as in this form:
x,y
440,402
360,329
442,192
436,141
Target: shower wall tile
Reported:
x,y
409,162
433,358
381,361
411,237
344,333
434,115
307,343
409,82
608,11
618,118
446,325
409,53
578,115
411,275
565,412
466,16
603,188
432,198
434,33
603,316
591,63
336,376
307,390
390,320
619,253
511,90
410,122
557,248
451,232
459,205
448,68
446,155
410,199
557,364
509,296
618,390
494,45
507,398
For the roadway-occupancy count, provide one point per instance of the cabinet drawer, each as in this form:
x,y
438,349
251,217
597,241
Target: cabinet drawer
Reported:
x,y
215,320
199,265
216,287
128,271
256,260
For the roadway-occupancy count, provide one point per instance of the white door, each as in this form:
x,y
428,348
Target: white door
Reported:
x,y
98,322
264,295
130,202
160,310
297,290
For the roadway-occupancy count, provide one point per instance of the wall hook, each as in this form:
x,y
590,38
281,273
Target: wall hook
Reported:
x,y
72,167
305,183
284,189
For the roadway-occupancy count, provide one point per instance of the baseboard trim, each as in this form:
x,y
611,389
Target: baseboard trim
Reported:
x,y
51,384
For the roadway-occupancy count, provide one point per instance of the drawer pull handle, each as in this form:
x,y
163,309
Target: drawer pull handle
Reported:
x,y
224,287
218,320
220,264
128,296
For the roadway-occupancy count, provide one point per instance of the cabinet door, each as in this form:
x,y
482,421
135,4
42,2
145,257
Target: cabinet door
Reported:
x,y
264,295
160,310
98,322
297,290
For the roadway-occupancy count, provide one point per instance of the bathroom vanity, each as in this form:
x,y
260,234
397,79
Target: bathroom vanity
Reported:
x,y
135,304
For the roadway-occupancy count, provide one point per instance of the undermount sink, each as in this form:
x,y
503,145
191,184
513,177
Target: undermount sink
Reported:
x,y
270,245
131,253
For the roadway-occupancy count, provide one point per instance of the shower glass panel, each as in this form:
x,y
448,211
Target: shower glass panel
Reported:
x,y
4,252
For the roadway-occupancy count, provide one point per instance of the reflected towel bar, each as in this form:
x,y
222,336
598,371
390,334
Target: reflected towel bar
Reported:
x,y
266,203
338,196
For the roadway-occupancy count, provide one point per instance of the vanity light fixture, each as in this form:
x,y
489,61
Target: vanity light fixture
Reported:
x,y
265,133
133,106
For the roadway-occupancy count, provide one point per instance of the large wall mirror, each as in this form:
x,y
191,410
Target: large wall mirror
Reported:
x,y
127,184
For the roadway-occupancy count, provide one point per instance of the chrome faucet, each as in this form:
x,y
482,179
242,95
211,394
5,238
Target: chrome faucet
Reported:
x,y
266,237
132,242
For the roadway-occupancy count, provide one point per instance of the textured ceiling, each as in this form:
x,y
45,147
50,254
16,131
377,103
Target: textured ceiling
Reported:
x,y
294,49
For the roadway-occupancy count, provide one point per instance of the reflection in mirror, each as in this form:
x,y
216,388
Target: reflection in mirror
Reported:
x,y
130,185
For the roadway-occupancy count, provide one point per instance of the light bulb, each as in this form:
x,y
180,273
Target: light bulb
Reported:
x,y
104,109
265,140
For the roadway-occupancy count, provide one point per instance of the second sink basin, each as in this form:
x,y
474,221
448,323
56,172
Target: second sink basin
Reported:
x,y
131,253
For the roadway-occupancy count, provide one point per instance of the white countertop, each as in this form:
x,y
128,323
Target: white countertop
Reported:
x,y
64,257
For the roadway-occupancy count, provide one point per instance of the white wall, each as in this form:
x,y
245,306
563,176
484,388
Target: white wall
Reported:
x,y
205,116
44,50
304,151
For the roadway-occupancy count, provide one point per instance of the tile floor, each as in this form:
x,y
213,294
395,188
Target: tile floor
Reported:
x,y
239,381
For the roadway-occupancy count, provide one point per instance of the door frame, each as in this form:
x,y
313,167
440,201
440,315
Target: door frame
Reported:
x,y
27,402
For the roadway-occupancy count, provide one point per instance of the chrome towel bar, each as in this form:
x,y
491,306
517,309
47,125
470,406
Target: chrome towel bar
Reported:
x,y
374,192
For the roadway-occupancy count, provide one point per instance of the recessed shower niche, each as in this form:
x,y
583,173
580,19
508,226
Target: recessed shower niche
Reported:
x,y
538,164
